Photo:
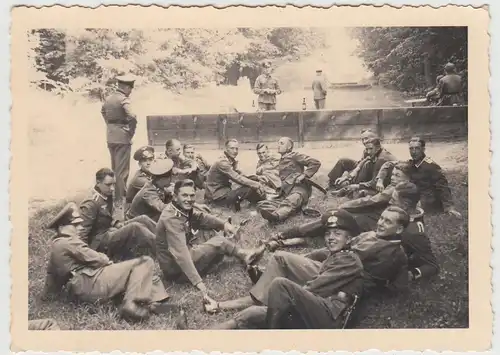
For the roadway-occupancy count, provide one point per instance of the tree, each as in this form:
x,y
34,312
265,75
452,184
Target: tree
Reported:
x,y
410,58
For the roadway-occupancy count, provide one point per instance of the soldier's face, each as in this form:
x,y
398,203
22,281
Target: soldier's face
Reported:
x,y
145,164
283,145
107,186
174,151
370,149
398,176
232,149
416,151
388,224
189,153
262,153
185,197
336,239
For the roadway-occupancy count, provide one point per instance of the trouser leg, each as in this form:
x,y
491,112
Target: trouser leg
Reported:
x,y
339,168
284,264
292,307
131,239
321,104
314,228
120,162
144,220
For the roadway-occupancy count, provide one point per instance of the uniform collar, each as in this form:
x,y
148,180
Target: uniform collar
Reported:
x,y
286,154
232,160
396,238
418,163
184,213
98,192
418,214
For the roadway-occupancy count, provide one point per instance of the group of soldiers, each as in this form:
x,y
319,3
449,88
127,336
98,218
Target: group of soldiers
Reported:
x,y
375,238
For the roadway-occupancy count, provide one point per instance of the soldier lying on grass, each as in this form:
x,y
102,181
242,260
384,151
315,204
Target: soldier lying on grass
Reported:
x,y
314,291
91,276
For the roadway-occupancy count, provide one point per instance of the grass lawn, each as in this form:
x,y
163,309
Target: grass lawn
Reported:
x,y
438,303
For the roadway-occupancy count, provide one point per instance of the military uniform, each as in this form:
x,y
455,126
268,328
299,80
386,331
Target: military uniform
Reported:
x,y
435,195
294,195
363,171
268,171
220,177
105,234
150,201
450,87
121,124
90,276
180,257
266,101
141,177
43,324
319,88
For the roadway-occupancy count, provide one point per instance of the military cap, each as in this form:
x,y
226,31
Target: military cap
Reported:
x,y
126,79
146,152
161,167
341,219
70,214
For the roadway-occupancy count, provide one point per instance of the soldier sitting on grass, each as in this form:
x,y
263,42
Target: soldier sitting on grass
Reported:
x,y
91,276
189,152
144,156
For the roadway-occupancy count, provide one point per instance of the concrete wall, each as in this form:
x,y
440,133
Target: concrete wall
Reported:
x,y
308,128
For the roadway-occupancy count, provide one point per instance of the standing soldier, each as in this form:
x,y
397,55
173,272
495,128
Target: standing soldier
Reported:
x,y
294,171
267,88
450,87
319,88
121,124
144,156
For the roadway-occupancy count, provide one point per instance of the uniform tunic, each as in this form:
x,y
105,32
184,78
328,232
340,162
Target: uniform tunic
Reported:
x,y
319,88
90,276
450,87
121,124
149,201
268,171
175,236
263,82
430,180
138,181
220,177
106,234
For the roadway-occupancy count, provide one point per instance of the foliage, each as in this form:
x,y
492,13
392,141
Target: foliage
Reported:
x,y
177,58
410,58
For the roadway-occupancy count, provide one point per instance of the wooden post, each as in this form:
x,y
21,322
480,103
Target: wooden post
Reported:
x,y
380,114
300,127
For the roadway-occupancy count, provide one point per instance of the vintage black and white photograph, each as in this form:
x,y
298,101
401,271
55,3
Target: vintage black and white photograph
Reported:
x,y
236,178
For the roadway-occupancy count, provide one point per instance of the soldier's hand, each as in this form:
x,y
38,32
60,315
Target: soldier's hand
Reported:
x,y
380,186
453,212
300,178
229,229
276,237
201,286
211,306
340,180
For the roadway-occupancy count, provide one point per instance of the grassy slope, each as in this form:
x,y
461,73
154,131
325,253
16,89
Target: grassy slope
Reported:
x,y
440,303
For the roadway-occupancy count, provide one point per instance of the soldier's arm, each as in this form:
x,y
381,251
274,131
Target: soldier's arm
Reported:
x,y
226,168
385,170
153,200
83,253
310,164
207,221
131,116
311,229
401,281
177,246
420,245
88,210
257,88
336,275
318,255
378,200
442,187
277,87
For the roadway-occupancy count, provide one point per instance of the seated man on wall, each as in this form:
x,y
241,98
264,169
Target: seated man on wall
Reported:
x,y
295,169
91,276
106,234
347,171
294,285
450,87
180,257
224,172
203,166
435,194
144,156
433,95
421,258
